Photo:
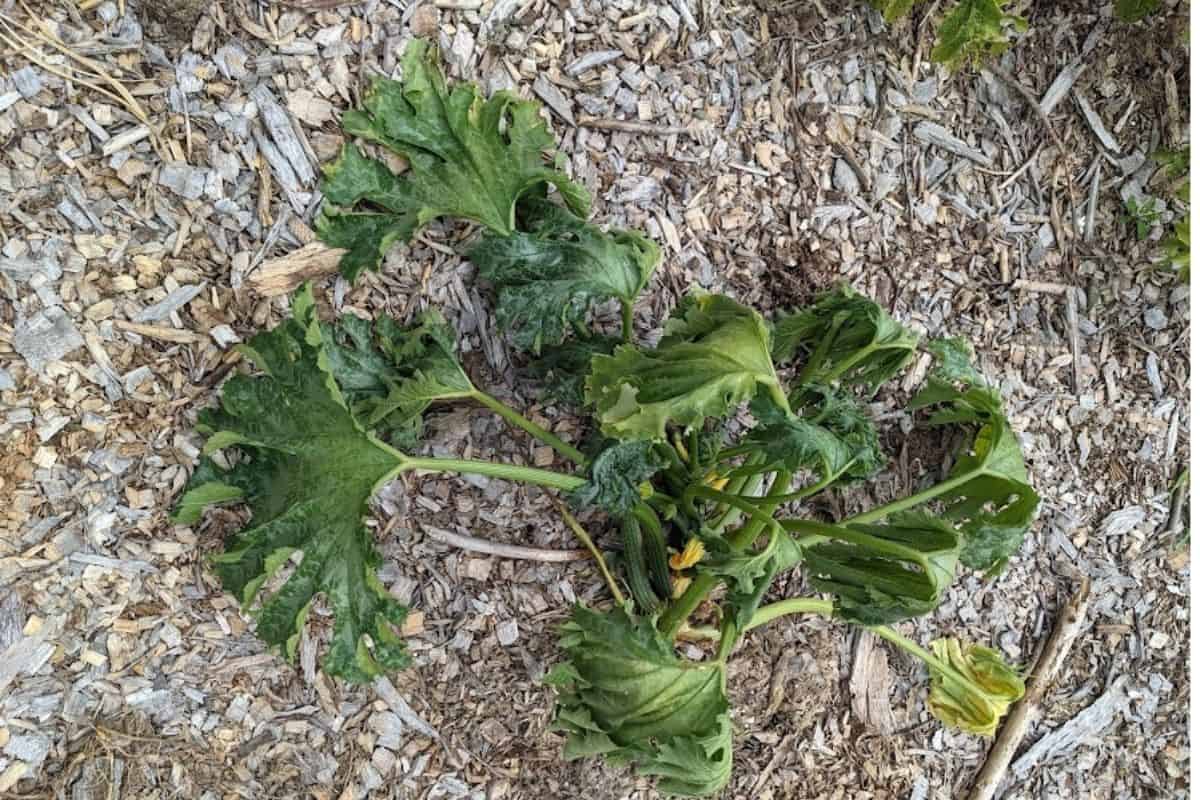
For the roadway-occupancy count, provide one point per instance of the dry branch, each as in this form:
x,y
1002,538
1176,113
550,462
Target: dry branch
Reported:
x,y
1070,624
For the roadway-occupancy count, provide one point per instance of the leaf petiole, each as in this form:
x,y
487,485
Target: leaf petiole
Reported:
x,y
491,469
518,420
905,503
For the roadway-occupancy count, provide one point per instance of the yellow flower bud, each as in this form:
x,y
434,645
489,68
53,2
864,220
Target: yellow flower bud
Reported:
x,y
679,585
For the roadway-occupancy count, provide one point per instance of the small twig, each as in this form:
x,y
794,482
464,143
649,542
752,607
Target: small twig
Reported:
x,y
627,126
1070,624
1032,101
516,551
587,542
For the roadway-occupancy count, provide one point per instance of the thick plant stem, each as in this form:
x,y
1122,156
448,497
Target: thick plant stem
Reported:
x,y
516,419
795,605
678,612
627,321
508,472
904,503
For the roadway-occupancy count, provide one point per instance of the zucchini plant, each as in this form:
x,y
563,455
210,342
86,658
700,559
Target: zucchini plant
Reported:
x,y
711,506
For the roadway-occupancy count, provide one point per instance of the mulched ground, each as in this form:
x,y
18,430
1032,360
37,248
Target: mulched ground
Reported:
x,y
157,160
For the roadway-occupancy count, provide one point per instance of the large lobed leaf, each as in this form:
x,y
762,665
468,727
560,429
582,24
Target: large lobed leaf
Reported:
x,y
988,492
468,157
623,693
309,470
714,355
563,368
846,337
552,271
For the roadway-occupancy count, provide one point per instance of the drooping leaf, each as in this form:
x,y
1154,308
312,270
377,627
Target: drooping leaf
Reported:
x,y
624,694
974,688
563,368
309,469
550,272
1135,10
616,475
467,157
713,356
829,435
973,30
390,375
845,337
988,494
885,573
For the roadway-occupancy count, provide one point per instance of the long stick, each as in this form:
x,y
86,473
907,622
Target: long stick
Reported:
x,y
1070,624
516,551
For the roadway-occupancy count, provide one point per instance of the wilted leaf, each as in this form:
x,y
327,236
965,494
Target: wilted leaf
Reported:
x,y
988,493
713,356
616,475
625,694
845,337
828,435
974,688
556,267
468,157
885,573
308,472
563,368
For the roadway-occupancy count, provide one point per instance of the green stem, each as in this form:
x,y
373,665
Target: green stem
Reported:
x,y
627,321
516,419
938,489
745,486
508,472
678,612
794,605
769,613
799,494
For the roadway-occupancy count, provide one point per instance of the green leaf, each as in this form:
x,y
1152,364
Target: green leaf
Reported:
x,y
828,435
562,369
551,272
1135,10
390,375
713,356
973,30
1177,249
846,337
880,574
616,475
467,157
308,471
988,492
893,10
741,569
973,688
626,695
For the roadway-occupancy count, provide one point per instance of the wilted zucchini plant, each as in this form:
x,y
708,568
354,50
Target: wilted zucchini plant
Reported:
x,y
709,513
